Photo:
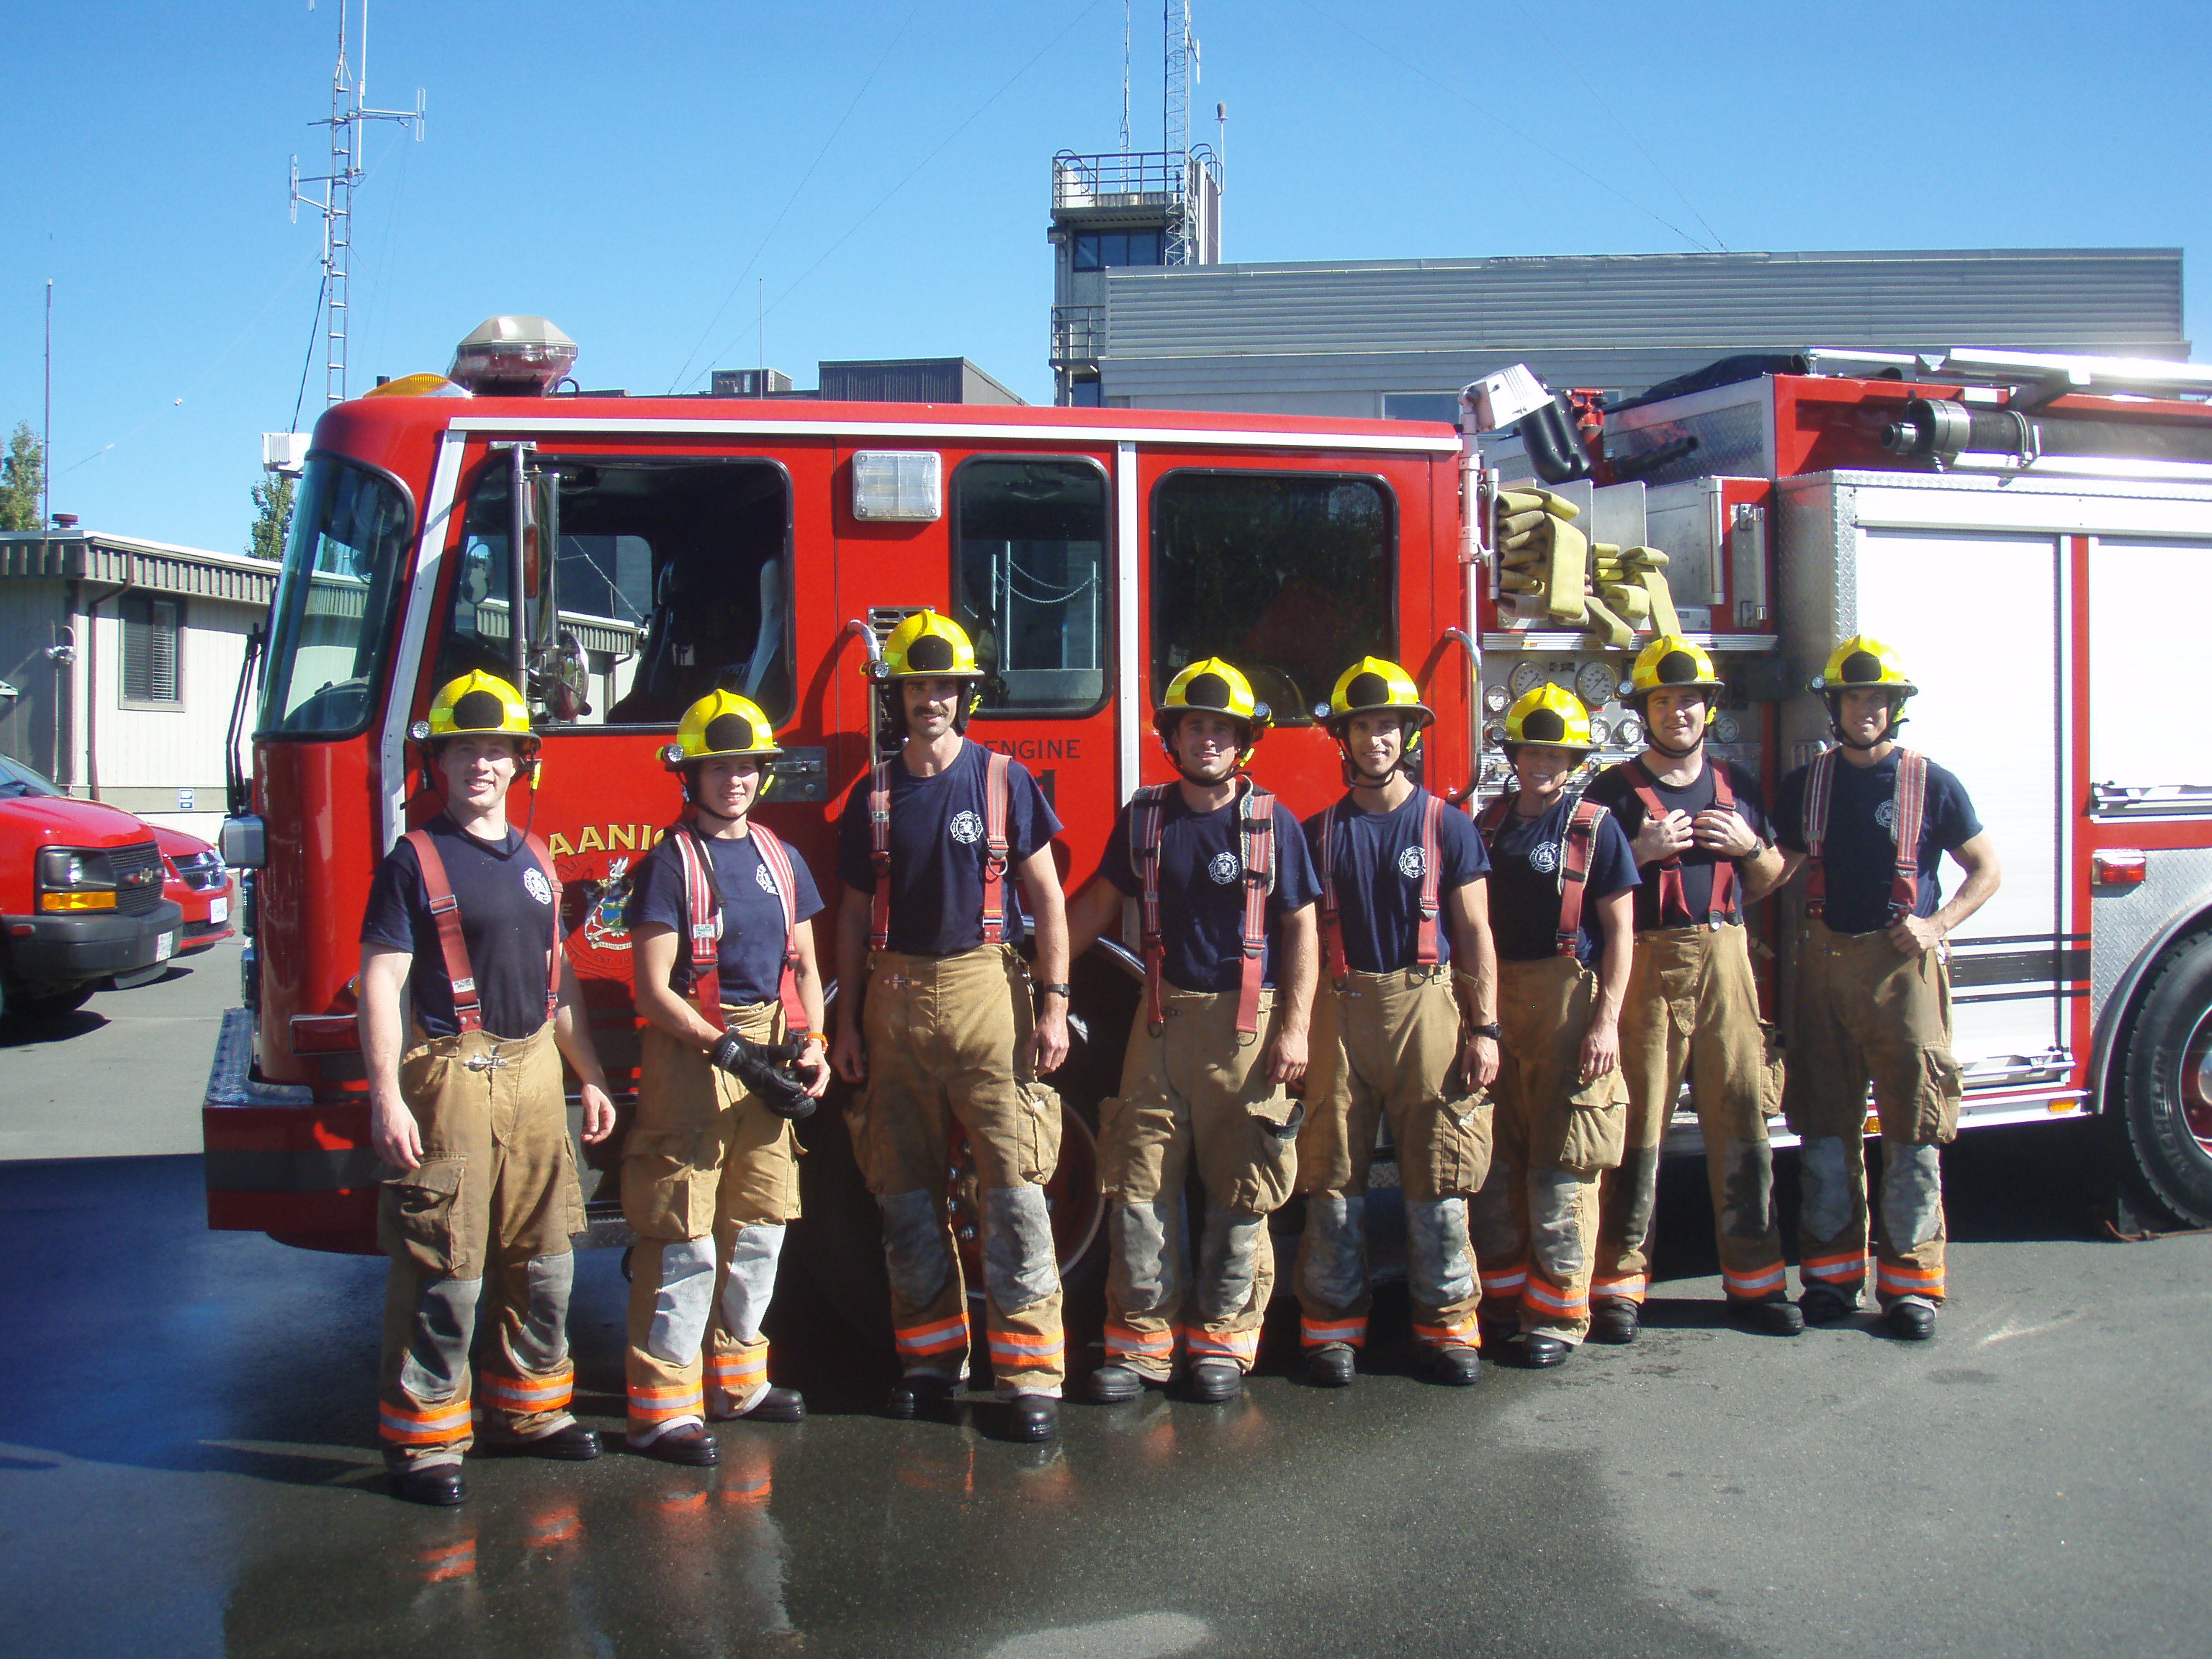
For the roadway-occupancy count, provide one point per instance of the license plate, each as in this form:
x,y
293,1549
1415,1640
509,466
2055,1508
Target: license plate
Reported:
x,y
165,946
218,910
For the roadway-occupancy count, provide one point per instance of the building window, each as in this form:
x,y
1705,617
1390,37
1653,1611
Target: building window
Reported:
x,y
1291,576
1030,541
1083,394
150,652
1104,250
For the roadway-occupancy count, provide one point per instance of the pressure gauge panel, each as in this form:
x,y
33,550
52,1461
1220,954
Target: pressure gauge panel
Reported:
x,y
1526,677
1726,729
1596,684
1495,699
1629,732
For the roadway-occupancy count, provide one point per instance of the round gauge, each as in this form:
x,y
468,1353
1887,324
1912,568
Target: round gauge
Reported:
x,y
1596,684
1494,733
1598,733
1494,699
1526,676
1629,732
1726,729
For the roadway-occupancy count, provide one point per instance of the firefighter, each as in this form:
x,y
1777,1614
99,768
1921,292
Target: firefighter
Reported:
x,y
722,955
1405,1029
1873,994
467,1108
1557,866
946,1031
1699,828
1226,898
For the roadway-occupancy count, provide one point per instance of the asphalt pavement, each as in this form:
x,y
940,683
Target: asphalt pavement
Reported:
x,y
190,1467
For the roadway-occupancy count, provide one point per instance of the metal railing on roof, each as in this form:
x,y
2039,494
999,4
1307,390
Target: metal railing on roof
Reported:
x,y
1137,179
1078,334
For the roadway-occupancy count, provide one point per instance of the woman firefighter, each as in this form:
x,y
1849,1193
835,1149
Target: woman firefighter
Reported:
x,y
1561,873
722,953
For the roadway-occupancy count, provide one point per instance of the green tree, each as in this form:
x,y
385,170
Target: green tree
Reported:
x,y
272,517
23,479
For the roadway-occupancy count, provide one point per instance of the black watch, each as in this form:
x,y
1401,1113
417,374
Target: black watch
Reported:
x,y
1068,991
1493,1030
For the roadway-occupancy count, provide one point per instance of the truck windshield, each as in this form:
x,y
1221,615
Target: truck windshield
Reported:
x,y
334,602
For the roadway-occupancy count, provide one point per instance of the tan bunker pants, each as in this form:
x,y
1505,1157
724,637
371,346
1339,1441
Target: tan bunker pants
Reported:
x,y
1866,1014
495,1197
1387,1045
1193,1088
948,1041
1534,1222
710,1179
1692,1006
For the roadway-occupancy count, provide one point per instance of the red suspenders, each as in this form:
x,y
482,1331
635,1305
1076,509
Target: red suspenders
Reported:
x,y
445,911
1256,828
1909,810
1332,925
703,907
997,794
1581,841
1672,900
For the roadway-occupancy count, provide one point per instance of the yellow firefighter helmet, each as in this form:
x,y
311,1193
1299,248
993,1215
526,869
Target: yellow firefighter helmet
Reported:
x,y
477,704
1671,663
927,646
1374,683
1863,664
1552,716
719,725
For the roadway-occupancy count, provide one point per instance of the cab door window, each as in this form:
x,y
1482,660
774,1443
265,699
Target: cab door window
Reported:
x,y
1029,581
674,580
1291,576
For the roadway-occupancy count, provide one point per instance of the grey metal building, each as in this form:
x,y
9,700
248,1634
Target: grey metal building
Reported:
x,y
1398,337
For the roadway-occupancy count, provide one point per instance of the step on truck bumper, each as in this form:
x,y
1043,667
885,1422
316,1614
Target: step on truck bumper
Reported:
x,y
278,1161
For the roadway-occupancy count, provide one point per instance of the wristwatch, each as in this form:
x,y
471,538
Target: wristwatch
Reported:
x,y
1493,1030
1068,991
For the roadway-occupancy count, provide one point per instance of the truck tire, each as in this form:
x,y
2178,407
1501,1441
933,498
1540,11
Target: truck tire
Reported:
x,y
2164,1071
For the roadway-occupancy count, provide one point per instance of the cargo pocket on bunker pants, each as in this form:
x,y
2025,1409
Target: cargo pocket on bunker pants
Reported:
x,y
1596,1130
1462,1157
1936,1110
1042,1115
1265,1187
665,1195
414,1217
571,1210
1773,1073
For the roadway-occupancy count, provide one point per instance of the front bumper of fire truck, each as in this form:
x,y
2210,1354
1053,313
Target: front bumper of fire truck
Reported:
x,y
278,1161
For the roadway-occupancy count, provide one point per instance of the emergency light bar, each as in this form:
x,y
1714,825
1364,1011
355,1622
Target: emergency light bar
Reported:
x,y
898,485
513,356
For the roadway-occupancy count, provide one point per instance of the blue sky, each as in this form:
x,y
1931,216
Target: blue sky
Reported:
x,y
633,171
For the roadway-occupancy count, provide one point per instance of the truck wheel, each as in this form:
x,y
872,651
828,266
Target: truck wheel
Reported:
x,y
2165,1076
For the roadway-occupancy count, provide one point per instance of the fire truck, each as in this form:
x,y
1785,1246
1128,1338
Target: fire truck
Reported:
x,y
620,557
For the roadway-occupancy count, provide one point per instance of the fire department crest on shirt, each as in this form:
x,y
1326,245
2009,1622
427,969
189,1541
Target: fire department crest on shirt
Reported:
x,y
534,881
1410,864
1544,856
967,827
1225,868
767,881
1886,815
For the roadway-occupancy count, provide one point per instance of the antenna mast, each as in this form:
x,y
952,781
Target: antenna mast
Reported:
x,y
1179,55
1125,77
349,114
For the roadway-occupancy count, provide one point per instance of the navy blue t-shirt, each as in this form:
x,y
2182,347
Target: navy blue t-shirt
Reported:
x,y
750,958
1615,789
1525,855
1202,889
1859,857
938,851
1378,870
507,923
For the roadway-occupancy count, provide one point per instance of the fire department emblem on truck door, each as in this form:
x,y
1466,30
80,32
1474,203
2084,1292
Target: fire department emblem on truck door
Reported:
x,y
1225,868
607,927
967,827
1410,864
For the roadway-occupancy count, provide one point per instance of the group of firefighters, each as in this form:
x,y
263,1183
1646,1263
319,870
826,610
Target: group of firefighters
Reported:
x,y
1519,998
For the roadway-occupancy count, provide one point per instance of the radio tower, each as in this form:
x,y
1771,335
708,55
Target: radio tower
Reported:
x,y
349,114
1182,69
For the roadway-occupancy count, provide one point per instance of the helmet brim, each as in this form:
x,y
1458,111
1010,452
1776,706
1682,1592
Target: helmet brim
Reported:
x,y
1422,715
1635,698
1510,745
1826,687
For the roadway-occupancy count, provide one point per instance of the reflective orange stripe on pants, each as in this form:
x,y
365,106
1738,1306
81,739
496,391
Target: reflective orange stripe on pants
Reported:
x,y
1018,1348
1152,1345
433,1425
1894,1281
1315,1333
1848,1268
660,1405
1242,1346
1466,1333
940,1337
1550,1301
1762,1283
1623,1287
535,1394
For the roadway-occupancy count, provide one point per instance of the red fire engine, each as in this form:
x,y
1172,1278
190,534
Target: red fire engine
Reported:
x,y
621,556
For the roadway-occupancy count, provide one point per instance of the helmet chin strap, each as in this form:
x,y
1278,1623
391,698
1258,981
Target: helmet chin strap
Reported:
x,y
1669,750
1888,734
